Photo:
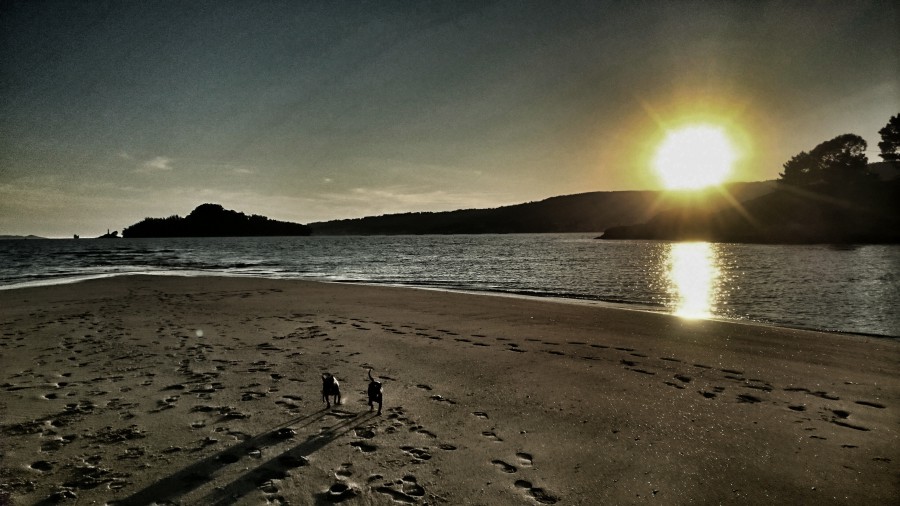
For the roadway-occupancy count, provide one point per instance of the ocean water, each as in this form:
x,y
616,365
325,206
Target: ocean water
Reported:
x,y
844,289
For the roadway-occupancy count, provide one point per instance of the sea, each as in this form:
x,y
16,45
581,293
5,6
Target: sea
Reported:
x,y
847,289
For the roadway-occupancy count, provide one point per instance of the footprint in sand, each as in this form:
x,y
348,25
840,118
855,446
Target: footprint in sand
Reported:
x,y
850,425
538,494
339,492
409,490
420,454
840,417
440,398
365,433
492,436
525,459
344,471
42,465
505,467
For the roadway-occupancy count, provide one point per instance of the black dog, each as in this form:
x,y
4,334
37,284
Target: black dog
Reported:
x,y
330,389
374,392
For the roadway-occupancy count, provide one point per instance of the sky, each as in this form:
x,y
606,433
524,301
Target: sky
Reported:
x,y
111,112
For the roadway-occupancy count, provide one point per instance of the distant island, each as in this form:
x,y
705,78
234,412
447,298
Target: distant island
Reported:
x,y
213,220
19,237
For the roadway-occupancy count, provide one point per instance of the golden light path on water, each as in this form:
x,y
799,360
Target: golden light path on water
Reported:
x,y
693,276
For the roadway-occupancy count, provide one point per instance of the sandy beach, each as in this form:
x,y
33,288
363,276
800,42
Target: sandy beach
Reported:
x,y
142,390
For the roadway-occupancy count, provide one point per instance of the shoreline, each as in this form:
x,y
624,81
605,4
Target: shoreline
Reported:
x,y
136,389
625,306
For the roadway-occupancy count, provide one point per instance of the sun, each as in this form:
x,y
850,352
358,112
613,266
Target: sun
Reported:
x,y
694,157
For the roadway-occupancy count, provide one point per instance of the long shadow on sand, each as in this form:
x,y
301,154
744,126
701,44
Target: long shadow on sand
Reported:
x,y
203,471
278,467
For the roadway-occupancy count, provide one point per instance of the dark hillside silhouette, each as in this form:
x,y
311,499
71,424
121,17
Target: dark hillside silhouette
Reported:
x,y
212,220
810,214
585,212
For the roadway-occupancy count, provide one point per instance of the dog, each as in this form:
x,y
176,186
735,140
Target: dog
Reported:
x,y
330,389
375,394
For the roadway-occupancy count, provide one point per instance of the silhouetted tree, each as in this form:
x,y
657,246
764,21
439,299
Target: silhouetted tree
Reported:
x,y
841,160
890,140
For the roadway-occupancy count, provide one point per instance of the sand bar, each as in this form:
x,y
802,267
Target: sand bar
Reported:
x,y
170,390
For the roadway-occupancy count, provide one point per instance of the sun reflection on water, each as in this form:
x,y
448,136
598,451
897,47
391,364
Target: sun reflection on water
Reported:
x,y
693,276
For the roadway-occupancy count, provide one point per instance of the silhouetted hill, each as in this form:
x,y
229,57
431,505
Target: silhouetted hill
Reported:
x,y
584,212
789,215
212,220
18,237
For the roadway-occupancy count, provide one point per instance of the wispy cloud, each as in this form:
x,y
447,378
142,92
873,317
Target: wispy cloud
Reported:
x,y
160,163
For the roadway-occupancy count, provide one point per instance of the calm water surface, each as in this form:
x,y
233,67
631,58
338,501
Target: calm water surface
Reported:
x,y
817,287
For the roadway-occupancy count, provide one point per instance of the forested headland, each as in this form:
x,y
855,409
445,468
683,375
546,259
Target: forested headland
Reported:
x,y
213,220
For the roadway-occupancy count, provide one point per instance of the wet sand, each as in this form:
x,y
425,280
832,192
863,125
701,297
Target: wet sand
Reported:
x,y
175,390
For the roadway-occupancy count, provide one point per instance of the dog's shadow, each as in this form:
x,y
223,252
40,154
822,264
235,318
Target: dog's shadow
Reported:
x,y
202,472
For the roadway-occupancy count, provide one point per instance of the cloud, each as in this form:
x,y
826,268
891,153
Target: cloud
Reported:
x,y
160,163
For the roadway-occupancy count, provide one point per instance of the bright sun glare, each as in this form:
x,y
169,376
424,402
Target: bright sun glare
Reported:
x,y
694,157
